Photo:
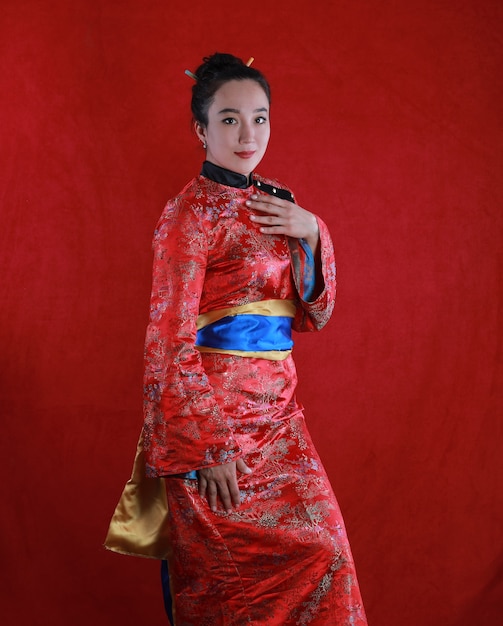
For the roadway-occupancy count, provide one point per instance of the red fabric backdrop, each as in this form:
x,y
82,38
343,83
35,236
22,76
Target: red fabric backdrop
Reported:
x,y
387,122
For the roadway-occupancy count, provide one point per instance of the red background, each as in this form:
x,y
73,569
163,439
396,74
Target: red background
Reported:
x,y
387,122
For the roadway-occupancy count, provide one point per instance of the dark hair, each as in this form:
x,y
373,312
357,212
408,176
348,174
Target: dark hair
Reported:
x,y
217,69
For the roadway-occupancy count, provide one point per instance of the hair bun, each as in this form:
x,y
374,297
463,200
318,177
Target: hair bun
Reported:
x,y
216,64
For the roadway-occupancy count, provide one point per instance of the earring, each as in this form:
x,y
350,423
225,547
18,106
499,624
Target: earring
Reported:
x,y
205,145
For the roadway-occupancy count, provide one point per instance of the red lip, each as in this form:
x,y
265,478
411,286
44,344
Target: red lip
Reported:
x,y
245,155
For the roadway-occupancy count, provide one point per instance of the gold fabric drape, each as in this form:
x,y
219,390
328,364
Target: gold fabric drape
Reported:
x,y
138,526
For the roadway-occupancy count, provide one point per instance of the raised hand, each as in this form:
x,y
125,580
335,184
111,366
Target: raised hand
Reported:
x,y
283,217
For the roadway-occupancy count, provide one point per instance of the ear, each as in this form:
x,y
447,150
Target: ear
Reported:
x,y
200,131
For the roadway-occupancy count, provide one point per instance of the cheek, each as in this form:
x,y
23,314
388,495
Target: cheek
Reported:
x,y
265,137
220,138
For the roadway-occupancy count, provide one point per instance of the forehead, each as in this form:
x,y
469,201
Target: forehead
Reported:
x,y
242,95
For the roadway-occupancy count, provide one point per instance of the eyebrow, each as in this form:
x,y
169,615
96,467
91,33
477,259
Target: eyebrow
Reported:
x,y
261,110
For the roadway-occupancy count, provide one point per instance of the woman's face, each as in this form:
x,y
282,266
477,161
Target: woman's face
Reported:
x,y
238,127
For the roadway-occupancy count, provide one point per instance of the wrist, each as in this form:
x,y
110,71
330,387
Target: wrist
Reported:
x,y
314,237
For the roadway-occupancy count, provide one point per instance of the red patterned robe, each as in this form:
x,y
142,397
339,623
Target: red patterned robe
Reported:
x,y
283,557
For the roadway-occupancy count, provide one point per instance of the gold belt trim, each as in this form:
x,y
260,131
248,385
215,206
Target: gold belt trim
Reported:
x,y
283,308
269,355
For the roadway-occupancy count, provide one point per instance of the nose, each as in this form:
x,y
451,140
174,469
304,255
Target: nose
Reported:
x,y
247,134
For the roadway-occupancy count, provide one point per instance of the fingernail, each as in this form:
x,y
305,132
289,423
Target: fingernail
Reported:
x,y
248,203
254,197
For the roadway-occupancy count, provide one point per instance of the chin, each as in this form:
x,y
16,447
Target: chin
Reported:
x,y
245,167
243,170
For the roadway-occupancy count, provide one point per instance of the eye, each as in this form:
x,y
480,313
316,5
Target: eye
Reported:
x,y
261,120
229,120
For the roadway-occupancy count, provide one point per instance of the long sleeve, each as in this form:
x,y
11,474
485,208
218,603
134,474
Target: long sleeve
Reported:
x,y
313,315
184,427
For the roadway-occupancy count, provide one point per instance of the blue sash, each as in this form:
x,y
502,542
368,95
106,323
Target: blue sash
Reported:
x,y
261,329
249,333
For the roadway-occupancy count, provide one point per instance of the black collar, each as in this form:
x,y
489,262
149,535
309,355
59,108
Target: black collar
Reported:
x,y
232,179
225,177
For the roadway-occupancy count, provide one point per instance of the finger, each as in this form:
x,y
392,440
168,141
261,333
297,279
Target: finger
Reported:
x,y
235,496
211,494
226,497
274,230
266,198
266,203
272,220
202,484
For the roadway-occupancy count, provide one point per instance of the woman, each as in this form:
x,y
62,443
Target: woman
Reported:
x,y
254,532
